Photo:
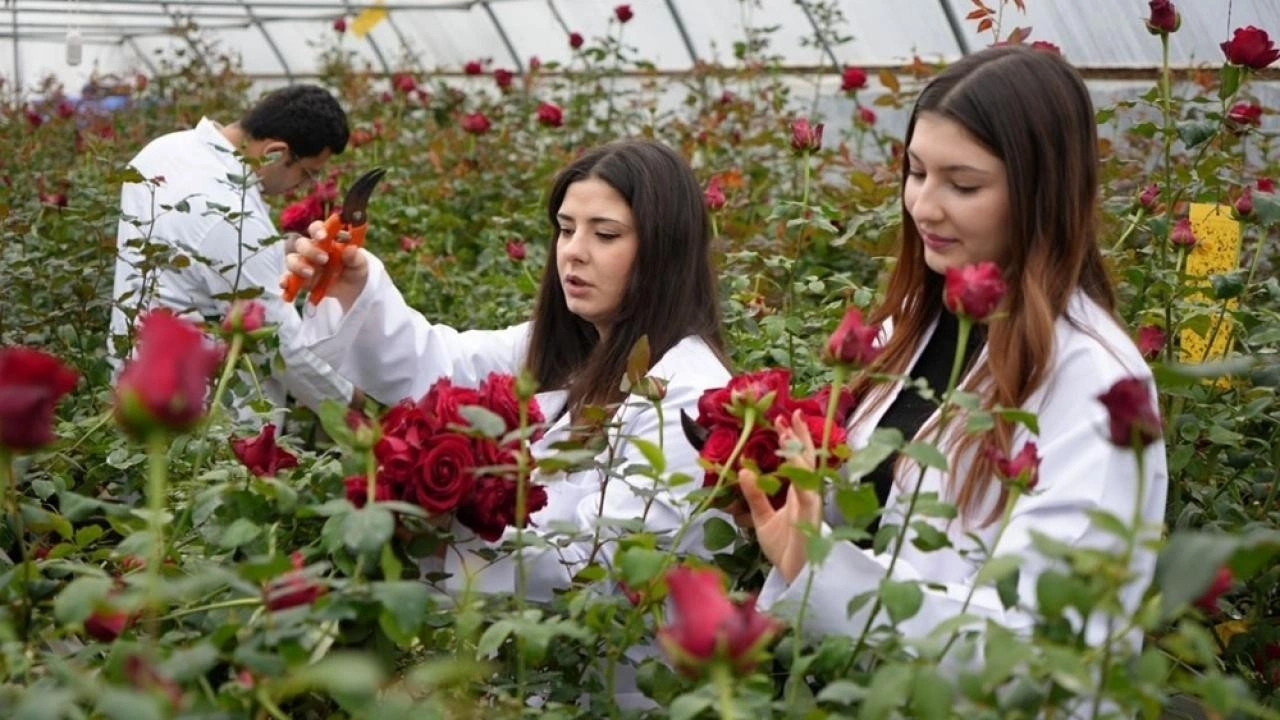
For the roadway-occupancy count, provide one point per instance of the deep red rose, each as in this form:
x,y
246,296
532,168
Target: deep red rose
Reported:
x,y
409,243
357,490
1250,47
360,137
817,425
1182,235
106,624
442,402
705,624
497,393
575,40
34,119
717,448
974,291
1150,196
443,476
754,388
805,137
854,343
490,508
1245,113
1024,467
1164,18
245,316
404,82
714,195
1244,203
397,459
410,421
261,454
1132,413
1046,46
713,408
293,588
866,116
1221,584
476,123
1266,185
65,109
503,77
550,114
623,13
853,79
164,385
340,25
844,404
516,251
31,383
298,216
473,67
535,63
1151,340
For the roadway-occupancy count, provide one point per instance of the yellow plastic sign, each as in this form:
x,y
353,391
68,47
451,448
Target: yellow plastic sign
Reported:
x,y
366,19
1217,251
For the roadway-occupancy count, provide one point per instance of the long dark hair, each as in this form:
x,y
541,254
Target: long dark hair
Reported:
x,y
670,294
1032,110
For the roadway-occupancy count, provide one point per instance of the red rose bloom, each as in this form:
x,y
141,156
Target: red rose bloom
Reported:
x,y
31,383
1250,47
550,114
357,490
805,137
705,624
106,624
623,13
403,82
575,40
1046,46
1182,235
516,251
974,291
298,216
442,401
340,25
714,195
1266,185
1244,203
1164,18
852,79
164,384
1220,585
752,388
1150,195
245,316
293,588
473,67
444,475
854,342
476,123
490,508
1023,467
261,454
844,404
497,393
713,408
1132,414
866,116
1151,340
503,77
1245,113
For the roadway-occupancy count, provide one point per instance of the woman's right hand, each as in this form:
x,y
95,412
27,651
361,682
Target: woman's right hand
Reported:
x,y
307,260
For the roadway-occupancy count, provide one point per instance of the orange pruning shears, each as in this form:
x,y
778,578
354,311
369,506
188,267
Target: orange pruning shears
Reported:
x,y
353,220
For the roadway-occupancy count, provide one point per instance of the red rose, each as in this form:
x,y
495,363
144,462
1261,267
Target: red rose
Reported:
x,y
550,114
475,123
106,624
1151,340
245,316
1164,18
1266,185
1250,47
1021,468
396,460
357,490
261,454
293,588
1046,46
490,508
1244,203
298,216
705,625
1182,235
1245,113
503,77
442,401
1150,195
403,82
408,243
516,251
31,383
1131,412
575,40
866,116
360,137
497,393
805,137
854,342
713,195
473,67
409,422
817,426
1221,584
535,63
713,408
718,447
444,475
623,13
164,384
340,25
844,404
974,291
852,79
771,385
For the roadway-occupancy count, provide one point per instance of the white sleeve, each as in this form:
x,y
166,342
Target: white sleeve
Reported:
x,y
241,262
598,503
1080,471
391,351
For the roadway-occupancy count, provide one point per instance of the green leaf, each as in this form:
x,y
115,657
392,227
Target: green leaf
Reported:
x,y
333,418
928,538
857,504
1229,80
996,568
1169,375
406,600
1007,589
1188,563
925,454
240,532
717,534
1266,208
1018,416
842,692
483,420
190,663
639,565
366,530
902,600
87,535
339,673
888,690
492,639
652,454
1195,132
47,704
1109,523
79,598
931,694
119,704
689,705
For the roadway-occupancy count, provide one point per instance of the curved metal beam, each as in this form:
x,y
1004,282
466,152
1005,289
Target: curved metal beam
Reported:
x,y
404,42
271,42
502,33
684,33
956,30
151,67
186,36
817,31
377,51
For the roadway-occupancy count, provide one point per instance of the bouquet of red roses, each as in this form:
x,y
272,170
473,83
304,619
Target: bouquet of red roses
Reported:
x,y
429,455
765,395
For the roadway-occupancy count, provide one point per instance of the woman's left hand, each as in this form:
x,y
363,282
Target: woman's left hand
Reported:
x,y
777,531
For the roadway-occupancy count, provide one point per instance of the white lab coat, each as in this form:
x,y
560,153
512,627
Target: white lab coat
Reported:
x,y
393,352
1080,470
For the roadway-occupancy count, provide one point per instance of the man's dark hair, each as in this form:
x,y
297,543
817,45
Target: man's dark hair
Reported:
x,y
306,117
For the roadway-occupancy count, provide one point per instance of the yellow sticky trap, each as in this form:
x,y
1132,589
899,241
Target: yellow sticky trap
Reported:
x,y
1217,251
366,19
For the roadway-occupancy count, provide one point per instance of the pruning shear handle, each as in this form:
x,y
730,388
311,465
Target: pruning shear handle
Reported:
x,y
352,220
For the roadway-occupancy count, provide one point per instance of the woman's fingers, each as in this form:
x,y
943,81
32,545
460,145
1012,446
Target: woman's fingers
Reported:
x,y
757,500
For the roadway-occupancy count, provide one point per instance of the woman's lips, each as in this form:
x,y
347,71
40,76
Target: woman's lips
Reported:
x,y
576,287
938,242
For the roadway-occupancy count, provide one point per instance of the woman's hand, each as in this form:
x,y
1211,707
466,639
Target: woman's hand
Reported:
x,y
777,531
307,259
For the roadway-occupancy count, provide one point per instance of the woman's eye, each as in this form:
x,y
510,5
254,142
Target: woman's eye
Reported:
x,y
965,189
566,232
606,236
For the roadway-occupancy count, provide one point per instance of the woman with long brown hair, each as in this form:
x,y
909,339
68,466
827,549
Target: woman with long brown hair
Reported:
x,y
630,258
1001,167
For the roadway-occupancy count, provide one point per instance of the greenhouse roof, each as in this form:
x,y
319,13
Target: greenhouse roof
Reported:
x,y
280,39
